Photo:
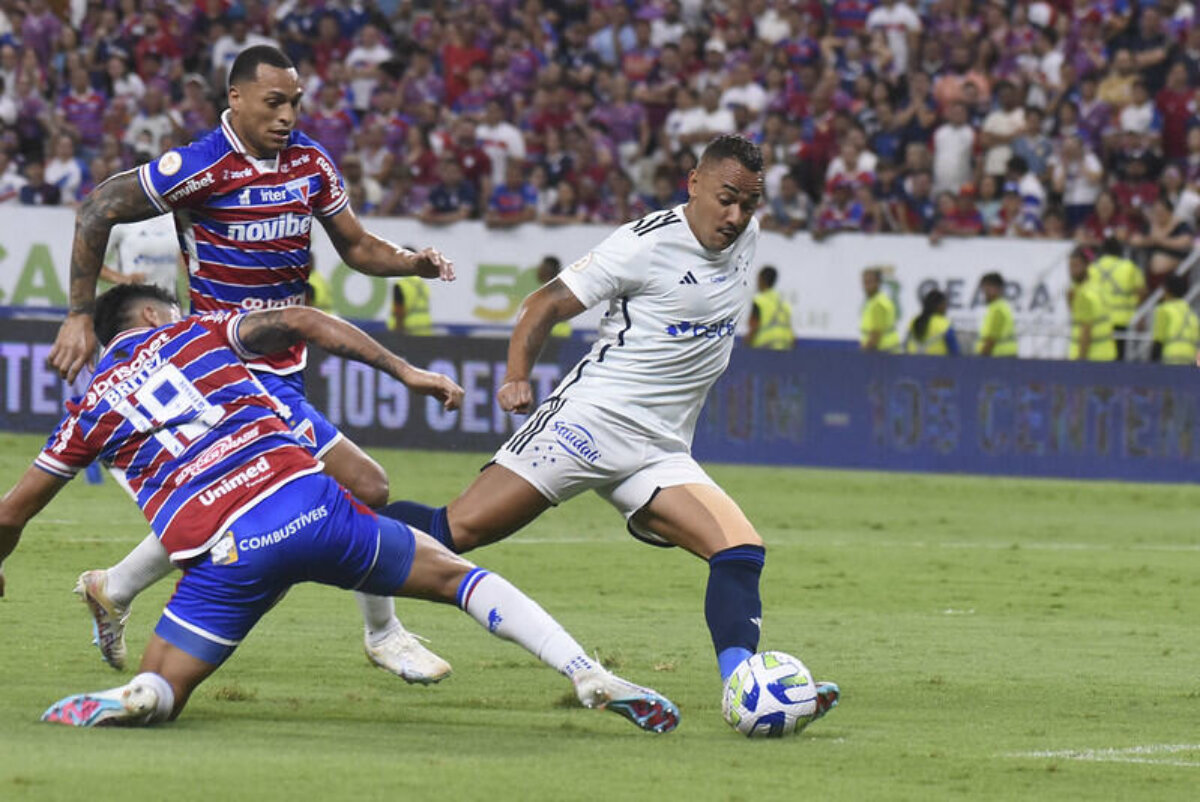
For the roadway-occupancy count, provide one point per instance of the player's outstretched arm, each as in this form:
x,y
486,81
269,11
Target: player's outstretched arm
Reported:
x,y
120,199
28,496
273,330
375,256
540,311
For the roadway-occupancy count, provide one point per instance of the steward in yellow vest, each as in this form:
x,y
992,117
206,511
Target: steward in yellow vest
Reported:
x,y
1121,284
770,324
1091,329
877,325
930,332
547,271
319,295
1176,327
998,334
410,307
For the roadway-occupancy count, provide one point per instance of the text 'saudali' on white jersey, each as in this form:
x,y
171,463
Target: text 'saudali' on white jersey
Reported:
x,y
673,309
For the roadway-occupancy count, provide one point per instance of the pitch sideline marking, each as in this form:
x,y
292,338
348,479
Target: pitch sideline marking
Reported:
x,y
1132,754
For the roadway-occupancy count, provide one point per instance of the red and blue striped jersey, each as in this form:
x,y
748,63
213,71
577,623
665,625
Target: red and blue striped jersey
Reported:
x,y
184,426
244,222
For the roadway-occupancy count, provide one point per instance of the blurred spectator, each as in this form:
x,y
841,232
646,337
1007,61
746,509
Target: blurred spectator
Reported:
x,y
452,199
998,334
566,209
331,123
1076,175
1000,128
1183,196
1032,144
901,25
957,216
711,121
1176,106
877,324
239,37
65,170
953,147
81,110
514,201
37,191
152,124
918,210
364,62
788,211
357,179
1167,242
11,180
839,211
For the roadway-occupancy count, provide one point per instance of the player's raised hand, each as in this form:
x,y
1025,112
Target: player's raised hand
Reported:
x,y
437,385
432,263
74,347
515,396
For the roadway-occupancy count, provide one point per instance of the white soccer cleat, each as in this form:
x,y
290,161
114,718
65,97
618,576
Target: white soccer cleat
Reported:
x,y
108,628
598,688
130,705
402,653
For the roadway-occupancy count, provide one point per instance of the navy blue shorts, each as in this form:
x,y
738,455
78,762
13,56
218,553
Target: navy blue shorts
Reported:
x,y
310,530
307,422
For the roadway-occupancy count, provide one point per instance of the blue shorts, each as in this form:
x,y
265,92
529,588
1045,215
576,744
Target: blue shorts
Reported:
x,y
314,430
310,530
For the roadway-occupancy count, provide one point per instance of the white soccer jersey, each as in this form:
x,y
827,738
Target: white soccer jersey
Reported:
x,y
673,309
148,246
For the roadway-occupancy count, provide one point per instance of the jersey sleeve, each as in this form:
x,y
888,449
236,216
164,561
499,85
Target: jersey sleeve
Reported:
x,y
67,452
179,179
226,325
616,267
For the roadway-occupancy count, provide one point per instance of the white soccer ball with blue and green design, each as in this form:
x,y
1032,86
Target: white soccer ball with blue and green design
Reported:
x,y
769,695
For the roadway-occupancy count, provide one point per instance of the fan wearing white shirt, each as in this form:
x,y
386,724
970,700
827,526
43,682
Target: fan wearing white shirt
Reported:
x,y
675,283
500,140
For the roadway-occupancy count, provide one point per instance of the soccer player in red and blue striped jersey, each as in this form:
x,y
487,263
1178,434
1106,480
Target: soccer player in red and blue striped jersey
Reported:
x,y
238,501
244,198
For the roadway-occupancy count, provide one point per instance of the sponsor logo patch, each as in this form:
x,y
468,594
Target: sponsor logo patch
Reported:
x,y
577,440
224,551
169,163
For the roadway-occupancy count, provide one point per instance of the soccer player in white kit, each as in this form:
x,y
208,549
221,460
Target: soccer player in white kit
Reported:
x,y
621,423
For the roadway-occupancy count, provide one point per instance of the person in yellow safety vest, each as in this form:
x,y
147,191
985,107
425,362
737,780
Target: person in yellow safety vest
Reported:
x,y
1091,330
770,324
410,307
998,335
546,272
1176,327
877,326
1122,287
317,292
930,332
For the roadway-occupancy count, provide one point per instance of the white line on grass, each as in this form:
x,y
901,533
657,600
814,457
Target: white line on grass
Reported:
x,y
1132,754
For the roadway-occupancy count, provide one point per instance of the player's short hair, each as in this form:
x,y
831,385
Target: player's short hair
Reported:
x,y
1176,285
114,307
994,279
733,146
245,66
1112,247
769,276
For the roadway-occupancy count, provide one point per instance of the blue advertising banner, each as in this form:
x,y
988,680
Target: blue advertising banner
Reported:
x,y
815,406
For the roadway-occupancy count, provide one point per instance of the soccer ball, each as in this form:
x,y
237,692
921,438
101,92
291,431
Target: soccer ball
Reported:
x,y
769,695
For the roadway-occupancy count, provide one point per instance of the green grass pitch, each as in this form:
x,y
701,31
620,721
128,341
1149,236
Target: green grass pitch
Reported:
x,y
993,638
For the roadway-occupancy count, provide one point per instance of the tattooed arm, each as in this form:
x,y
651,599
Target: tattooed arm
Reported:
x,y
273,330
120,199
375,256
547,306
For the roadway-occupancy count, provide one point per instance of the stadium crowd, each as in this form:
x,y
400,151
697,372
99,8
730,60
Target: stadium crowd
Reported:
x,y
952,118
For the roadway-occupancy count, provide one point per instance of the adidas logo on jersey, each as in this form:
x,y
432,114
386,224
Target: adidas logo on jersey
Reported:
x,y
288,225
688,278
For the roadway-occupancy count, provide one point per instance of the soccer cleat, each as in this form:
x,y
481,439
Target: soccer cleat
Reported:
x,y
128,706
402,653
597,688
108,619
828,694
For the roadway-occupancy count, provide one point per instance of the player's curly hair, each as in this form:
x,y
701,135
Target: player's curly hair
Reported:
x,y
734,146
114,307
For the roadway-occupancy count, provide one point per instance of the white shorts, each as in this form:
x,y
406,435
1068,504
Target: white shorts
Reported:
x,y
567,447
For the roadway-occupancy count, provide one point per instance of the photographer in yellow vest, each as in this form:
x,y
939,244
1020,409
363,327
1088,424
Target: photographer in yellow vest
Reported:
x,y
877,325
1091,329
770,324
1176,327
1122,287
930,332
998,335
549,268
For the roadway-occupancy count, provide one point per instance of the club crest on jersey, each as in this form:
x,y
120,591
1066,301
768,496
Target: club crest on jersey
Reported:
x,y
577,440
169,163
224,551
709,331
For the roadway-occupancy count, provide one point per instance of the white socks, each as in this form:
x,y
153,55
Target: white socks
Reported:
x,y
508,613
162,689
379,616
140,569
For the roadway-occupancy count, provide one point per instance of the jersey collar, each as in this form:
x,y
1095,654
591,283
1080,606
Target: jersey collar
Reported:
x,y
261,165
122,337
